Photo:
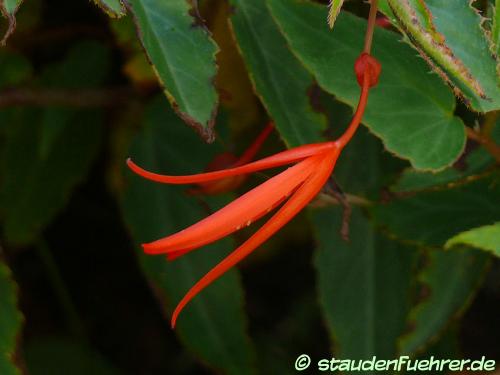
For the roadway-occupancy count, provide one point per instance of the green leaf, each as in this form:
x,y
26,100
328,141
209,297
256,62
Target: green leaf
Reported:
x,y
113,8
279,79
412,180
9,8
183,56
15,69
213,325
333,11
364,286
476,162
62,356
463,59
410,110
433,217
10,321
486,238
449,280
48,152
495,35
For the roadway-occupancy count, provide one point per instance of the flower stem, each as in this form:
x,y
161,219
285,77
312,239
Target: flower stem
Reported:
x,y
372,18
365,87
358,115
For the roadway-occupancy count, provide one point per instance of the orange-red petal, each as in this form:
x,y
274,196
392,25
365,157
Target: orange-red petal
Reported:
x,y
237,214
277,160
323,166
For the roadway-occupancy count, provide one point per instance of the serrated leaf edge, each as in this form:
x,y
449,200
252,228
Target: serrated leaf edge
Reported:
x,y
110,12
431,46
207,132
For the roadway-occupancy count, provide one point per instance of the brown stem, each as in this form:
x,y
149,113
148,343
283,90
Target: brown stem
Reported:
x,y
80,98
372,18
486,142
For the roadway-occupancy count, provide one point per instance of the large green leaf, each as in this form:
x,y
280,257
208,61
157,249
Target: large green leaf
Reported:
x,y
63,356
114,8
47,152
10,321
449,279
279,79
434,217
183,56
486,238
464,59
213,324
410,110
364,286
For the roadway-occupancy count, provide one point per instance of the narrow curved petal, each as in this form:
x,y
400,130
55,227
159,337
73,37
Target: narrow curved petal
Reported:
x,y
277,160
237,214
323,166
172,255
251,151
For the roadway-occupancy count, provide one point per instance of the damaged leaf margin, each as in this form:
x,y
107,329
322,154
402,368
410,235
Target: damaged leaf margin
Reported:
x,y
113,8
184,101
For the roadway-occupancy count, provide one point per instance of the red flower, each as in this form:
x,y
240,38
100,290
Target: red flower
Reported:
x,y
296,187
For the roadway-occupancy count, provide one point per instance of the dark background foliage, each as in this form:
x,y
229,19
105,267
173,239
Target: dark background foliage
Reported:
x,y
77,97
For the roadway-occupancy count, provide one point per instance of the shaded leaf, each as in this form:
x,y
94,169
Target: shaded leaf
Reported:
x,y
485,238
464,59
113,8
279,79
62,356
10,321
449,280
412,180
15,69
410,110
433,217
47,152
476,162
213,324
364,286
183,56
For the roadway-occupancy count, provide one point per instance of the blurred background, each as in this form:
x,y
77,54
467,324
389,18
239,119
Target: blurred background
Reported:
x,y
77,97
